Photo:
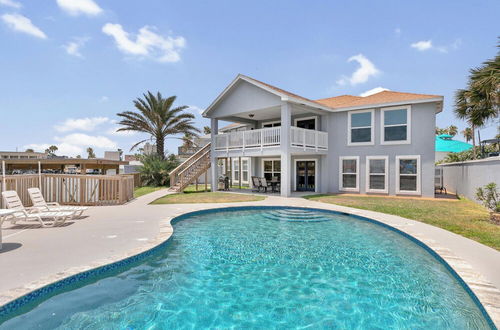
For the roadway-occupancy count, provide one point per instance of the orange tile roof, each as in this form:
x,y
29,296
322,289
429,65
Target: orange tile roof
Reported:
x,y
345,101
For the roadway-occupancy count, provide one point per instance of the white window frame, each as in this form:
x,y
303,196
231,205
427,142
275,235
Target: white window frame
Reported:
x,y
372,128
296,120
386,174
419,175
273,171
235,177
341,159
270,122
383,126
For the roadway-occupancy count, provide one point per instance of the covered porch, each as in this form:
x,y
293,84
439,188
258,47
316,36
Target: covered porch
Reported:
x,y
302,177
278,128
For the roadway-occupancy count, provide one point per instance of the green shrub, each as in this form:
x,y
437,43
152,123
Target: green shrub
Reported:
x,y
154,171
489,197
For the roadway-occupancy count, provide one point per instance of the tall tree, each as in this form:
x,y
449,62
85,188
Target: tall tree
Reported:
x,y
467,133
452,130
90,153
157,117
51,151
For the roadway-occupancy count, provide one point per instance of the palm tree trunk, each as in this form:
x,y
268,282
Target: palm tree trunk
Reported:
x,y
473,141
160,146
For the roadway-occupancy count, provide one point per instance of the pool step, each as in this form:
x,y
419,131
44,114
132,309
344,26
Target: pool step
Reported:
x,y
292,215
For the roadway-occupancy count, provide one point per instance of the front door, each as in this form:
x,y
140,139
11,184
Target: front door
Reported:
x,y
306,175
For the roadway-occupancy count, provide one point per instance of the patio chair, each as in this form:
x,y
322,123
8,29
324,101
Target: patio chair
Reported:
x,y
40,203
12,201
256,184
263,184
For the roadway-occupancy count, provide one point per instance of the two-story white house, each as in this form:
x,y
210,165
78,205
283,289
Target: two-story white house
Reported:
x,y
380,144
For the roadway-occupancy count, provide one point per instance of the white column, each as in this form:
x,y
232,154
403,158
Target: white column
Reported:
x,y
214,127
286,166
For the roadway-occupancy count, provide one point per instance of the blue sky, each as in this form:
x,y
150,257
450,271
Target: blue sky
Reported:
x,y
68,66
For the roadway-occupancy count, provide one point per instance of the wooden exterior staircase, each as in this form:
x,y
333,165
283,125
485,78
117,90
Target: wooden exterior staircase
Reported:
x,y
190,170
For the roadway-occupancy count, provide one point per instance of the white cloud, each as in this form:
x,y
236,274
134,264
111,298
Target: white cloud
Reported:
x,y
365,71
63,149
196,109
84,140
113,131
81,124
422,45
11,3
147,43
23,24
73,47
397,31
104,99
77,7
373,91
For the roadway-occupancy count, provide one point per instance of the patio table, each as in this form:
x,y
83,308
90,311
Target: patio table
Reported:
x,y
3,215
274,184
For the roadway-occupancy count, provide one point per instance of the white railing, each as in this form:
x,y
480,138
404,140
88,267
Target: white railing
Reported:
x,y
271,137
258,138
308,138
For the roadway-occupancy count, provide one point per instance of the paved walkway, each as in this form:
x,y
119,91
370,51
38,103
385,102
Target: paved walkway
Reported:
x,y
32,257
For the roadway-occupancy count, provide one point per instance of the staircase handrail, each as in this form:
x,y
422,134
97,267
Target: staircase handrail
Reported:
x,y
198,159
187,163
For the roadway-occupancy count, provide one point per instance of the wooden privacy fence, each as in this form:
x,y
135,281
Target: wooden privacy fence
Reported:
x,y
91,190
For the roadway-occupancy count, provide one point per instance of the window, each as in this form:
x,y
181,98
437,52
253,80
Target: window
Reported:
x,y
408,175
360,127
396,128
271,124
271,168
348,174
236,170
376,174
306,122
244,170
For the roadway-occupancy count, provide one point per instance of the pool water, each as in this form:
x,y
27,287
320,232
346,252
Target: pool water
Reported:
x,y
270,268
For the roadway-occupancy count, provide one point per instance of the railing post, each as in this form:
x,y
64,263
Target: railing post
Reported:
x,y
316,140
304,138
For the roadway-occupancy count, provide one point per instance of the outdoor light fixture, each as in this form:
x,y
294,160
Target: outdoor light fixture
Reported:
x,y
251,115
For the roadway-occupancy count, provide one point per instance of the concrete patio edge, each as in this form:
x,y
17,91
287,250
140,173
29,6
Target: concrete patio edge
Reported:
x,y
487,293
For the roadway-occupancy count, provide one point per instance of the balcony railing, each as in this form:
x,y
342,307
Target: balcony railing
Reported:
x,y
271,137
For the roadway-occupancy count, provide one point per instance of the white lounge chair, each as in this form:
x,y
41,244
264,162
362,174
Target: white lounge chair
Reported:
x,y
40,203
12,201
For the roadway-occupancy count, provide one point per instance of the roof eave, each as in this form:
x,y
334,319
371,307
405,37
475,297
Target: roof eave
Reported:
x,y
438,100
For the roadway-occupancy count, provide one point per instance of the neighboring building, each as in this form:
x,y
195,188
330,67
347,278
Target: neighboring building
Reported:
x,y
380,144
112,155
22,155
148,148
445,145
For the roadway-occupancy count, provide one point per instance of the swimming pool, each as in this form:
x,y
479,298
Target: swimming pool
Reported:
x,y
270,268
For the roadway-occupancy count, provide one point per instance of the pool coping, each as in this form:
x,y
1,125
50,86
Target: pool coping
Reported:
x,y
487,294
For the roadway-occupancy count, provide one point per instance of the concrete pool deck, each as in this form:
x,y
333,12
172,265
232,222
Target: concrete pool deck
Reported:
x,y
33,257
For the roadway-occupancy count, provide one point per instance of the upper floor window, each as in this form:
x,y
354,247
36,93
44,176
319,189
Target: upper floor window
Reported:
x,y
396,125
360,127
271,124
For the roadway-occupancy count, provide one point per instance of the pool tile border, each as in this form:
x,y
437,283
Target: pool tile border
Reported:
x,y
481,290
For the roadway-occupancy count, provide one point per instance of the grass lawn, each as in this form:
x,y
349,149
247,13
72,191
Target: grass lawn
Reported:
x,y
141,191
462,217
206,197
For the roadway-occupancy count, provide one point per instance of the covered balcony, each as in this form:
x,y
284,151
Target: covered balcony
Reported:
x,y
306,139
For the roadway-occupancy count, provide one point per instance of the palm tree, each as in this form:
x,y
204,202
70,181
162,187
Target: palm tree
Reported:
x,y
90,153
452,130
207,130
156,117
467,133
29,150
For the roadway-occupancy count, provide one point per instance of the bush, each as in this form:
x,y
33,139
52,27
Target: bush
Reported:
x,y
154,171
489,197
